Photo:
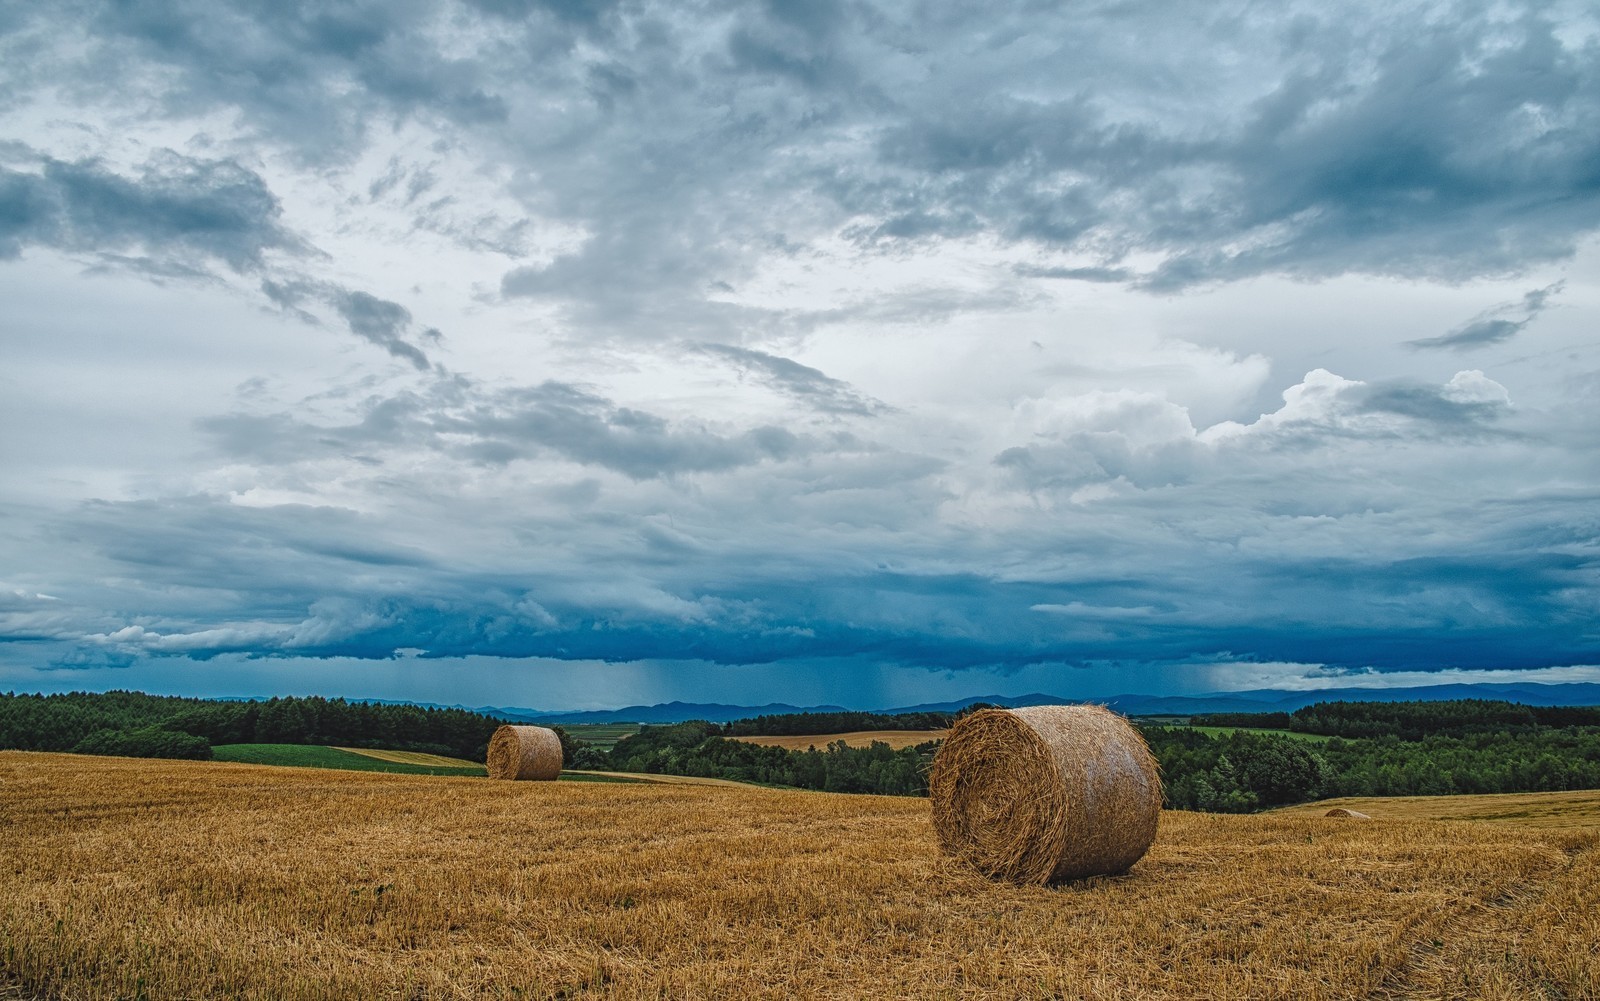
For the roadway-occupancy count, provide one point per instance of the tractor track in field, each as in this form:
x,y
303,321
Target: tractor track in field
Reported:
x,y
1441,949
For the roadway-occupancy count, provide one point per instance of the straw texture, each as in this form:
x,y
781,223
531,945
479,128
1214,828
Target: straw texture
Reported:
x,y
1340,811
524,752
1045,793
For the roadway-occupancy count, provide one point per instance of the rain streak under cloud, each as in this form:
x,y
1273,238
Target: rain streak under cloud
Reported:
x,y
574,354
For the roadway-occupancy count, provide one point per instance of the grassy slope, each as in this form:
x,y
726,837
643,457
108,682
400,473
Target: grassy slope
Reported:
x,y
314,756
354,759
1218,731
171,880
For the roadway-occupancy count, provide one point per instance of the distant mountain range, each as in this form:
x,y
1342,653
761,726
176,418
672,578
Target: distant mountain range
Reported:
x,y
1257,701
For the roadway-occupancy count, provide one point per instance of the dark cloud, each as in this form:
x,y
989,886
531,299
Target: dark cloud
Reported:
x,y
374,598
1111,275
176,217
591,430
387,324
313,74
584,12
690,144
1490,326
382,322
1267,553
793,379
1476,334
176,212
1382,145
1434,407
494,427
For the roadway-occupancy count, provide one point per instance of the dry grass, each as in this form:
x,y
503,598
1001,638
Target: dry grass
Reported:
x,y
857,738
167,880
412,758
1557,810
666,780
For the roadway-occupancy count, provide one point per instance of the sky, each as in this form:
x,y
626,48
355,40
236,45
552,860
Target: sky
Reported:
x,y
569,354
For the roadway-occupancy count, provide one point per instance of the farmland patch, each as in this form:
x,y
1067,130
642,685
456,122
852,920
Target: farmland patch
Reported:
x,y
175,880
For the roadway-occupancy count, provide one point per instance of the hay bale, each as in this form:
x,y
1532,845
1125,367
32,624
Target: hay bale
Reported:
x,y
1045,793
1340,811
524,752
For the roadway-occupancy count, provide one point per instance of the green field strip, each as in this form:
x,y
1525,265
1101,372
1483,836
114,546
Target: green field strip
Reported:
x,y
317,756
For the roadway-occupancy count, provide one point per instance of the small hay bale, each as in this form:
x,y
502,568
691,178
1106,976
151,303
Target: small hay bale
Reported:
x,y
524,752
1044,794
1340,811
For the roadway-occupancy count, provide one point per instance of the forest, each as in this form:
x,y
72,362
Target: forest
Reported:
x,y
1410,720
1416,748
696,748
822,724
156,726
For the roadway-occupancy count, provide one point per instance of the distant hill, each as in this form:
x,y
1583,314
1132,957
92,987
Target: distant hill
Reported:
x,y
1275,700
1259,700
1128,705
1528,693
668,712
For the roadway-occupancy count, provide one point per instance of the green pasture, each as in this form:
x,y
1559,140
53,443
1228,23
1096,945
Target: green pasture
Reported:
x,y
1222,731
601,735
315,756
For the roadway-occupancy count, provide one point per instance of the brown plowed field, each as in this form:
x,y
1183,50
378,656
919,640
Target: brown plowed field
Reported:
x,y
168,880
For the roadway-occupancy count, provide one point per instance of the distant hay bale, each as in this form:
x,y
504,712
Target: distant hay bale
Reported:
x,y
524,752
1340,811
1045,793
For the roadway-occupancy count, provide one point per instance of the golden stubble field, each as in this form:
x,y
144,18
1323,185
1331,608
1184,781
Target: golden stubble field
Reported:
x,y
856,738
166,880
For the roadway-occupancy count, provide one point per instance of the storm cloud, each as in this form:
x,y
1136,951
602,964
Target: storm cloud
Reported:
x,y
892,345
175,212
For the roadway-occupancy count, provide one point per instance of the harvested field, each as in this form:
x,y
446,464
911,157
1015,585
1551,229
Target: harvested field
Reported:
x,y
1557,810
666,780
167,880
858,738
412,757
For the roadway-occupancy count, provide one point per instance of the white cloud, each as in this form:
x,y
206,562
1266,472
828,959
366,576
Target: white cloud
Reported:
x,y
1316,678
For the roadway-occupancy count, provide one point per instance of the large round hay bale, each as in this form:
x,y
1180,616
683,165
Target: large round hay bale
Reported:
x,y
524,752
1341,811
1045,793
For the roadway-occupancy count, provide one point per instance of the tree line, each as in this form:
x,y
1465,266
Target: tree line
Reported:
x,y
1410,720
697,748
140,725
821,724
1236,772
1244,771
